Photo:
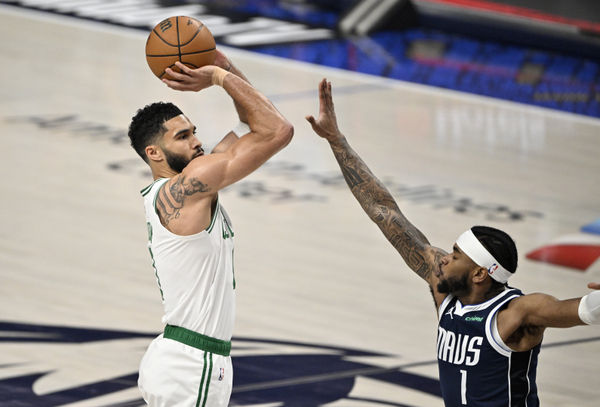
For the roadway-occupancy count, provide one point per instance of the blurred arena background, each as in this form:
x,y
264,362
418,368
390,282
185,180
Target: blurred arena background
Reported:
x,y
471,111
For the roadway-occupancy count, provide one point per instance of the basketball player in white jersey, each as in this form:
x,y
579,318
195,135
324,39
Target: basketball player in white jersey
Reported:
x,y
489,334
191,236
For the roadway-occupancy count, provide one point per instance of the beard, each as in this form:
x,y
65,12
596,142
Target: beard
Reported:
x,y
176,162
454,286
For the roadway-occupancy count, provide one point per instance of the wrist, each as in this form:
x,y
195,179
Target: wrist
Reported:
x,y
218,76
337,139
589,308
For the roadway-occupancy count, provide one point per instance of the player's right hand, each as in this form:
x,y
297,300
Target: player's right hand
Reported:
x,y
190,79
326,124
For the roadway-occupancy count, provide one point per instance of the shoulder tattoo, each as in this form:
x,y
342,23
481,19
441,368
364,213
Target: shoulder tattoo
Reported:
x,y
171,198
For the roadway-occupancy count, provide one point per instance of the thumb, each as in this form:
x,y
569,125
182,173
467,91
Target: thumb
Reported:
x,y
312,122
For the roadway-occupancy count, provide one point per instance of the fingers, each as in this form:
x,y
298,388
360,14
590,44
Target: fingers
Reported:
x,y
325,95
173,84
184,68
594,286
179,76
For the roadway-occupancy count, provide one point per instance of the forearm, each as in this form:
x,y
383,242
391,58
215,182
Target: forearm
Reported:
x,y
241,111
366,188
262,117
369,191
381,207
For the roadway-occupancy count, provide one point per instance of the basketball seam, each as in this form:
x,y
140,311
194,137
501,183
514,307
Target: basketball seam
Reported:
x,y
178,41
181,54
162,39
194,36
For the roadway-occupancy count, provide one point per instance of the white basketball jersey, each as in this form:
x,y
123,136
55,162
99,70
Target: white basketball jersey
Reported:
x,y
194,273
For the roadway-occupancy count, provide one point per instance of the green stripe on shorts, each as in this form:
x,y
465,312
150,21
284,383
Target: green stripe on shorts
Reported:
x,y
208,381
202,381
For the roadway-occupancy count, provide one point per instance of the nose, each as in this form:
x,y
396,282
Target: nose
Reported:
x,y
445,259
196,144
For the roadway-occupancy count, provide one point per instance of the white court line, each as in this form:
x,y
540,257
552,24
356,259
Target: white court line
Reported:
x,y
327,376
312,68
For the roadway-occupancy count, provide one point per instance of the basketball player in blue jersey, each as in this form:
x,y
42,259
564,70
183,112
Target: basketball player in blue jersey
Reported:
x,y
489,335
190,236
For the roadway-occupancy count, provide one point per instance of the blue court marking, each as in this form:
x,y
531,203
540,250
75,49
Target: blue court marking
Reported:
x,y
292,379
593,227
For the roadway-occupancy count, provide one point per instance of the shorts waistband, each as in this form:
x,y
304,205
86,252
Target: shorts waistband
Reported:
x,y
197,340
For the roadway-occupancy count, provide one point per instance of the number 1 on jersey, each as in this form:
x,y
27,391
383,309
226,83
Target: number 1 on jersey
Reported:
x,y
463,387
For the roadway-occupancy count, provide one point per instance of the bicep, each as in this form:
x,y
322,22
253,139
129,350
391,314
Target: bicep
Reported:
x,y
226,143
242,157
546,311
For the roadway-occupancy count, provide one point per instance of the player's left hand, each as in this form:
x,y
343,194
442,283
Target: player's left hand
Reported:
x,y
222,61
190,79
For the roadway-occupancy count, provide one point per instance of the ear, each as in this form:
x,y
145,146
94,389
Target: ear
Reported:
x,y
479,275
154,153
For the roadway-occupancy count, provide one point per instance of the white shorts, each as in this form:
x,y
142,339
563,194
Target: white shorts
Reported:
x,y
173,374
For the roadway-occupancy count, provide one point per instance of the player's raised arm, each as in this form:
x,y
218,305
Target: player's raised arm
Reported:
x,y
269,130
375,198
241,128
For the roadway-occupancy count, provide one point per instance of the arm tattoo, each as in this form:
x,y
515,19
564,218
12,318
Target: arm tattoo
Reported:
x,y
170,203
381,207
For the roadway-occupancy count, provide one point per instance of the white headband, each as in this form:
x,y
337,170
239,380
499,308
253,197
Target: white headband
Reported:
x,y
472,247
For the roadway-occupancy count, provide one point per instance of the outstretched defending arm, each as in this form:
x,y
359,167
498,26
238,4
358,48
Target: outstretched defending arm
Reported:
x,y
522,323
375,199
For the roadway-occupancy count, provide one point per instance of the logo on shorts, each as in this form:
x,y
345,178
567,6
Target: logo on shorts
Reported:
x,y
221,373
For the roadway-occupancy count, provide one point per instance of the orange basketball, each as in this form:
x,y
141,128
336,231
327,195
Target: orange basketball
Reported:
x,y
179,38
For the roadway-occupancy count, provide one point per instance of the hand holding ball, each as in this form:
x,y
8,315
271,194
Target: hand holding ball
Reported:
x,y
179,38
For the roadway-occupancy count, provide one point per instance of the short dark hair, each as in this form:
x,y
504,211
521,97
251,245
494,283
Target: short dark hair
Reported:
x,y
148,123
499,244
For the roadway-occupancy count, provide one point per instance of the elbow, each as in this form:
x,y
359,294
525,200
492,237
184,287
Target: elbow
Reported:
x,y
284,133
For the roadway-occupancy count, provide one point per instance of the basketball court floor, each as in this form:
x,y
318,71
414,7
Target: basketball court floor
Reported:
x,y
327,314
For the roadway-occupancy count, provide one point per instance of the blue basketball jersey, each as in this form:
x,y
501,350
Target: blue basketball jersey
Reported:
x,y
476,368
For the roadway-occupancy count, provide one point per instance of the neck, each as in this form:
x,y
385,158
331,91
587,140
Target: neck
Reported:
x,y
162,172
480,294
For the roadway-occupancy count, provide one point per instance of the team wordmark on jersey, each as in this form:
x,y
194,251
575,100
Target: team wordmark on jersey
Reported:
x,y
458,349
